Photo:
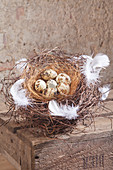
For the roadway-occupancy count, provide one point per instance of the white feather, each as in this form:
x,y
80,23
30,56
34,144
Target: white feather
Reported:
x,y
92,67
19,94
105,91
21,64
69,112
87,57
100,61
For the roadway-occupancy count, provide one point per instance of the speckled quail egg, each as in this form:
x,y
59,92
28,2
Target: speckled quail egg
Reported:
x,y
50,92
49,74
63,88
64,78
40,86
51,83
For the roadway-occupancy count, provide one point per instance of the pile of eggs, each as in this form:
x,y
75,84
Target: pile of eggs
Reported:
x,y
51,83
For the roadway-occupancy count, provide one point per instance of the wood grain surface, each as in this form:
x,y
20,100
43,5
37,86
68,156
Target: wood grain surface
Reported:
x,y
87,147
4,164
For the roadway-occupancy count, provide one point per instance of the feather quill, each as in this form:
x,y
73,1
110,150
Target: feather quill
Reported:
x,y
92,67
69,112
19,94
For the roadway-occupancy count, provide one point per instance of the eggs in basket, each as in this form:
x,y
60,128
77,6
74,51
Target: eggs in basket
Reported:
x,y
51,84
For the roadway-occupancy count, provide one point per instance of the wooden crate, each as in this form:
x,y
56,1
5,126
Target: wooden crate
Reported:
x,y
88,149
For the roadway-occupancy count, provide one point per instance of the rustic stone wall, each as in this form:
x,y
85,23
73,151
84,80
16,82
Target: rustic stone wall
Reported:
x,y
78,26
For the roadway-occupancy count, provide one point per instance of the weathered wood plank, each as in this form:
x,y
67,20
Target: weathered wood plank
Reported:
x,y
4,164
89,149
15,149
72,153
85,148
10,159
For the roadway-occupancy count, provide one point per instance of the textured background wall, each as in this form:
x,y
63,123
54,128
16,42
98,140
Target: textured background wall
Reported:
x,y
75,25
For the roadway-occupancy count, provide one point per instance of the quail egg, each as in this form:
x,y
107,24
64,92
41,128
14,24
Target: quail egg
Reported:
x,y
49,74
40,85
63,88
50,92
64,78
51,83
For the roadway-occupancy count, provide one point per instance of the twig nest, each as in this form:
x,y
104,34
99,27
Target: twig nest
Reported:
x,y
50,92
63,88
64,78
49,74
40,86
54,72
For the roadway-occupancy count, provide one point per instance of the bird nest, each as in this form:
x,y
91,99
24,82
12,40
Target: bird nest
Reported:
x,y
38,112
59,64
